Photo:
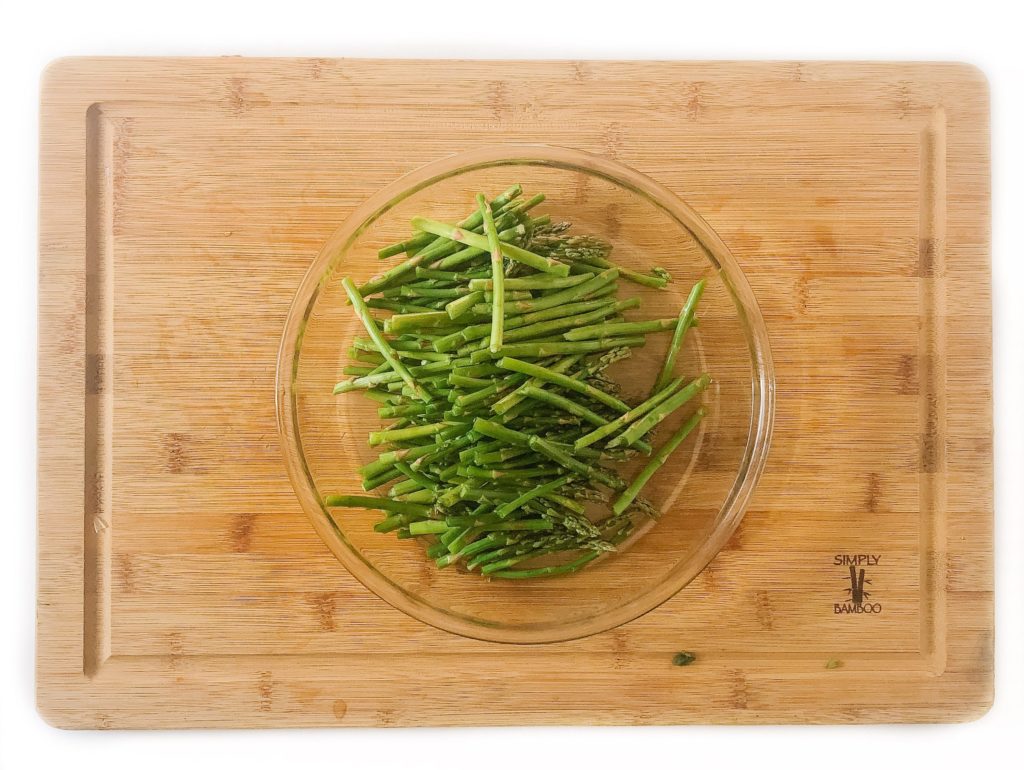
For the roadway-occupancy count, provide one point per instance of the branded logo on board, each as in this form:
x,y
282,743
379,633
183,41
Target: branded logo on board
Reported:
x,y
857,596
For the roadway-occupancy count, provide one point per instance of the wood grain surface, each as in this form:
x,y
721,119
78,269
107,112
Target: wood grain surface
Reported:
x,y
182,200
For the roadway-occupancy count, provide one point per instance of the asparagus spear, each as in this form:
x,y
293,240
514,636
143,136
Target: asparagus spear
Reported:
x,y
532,494
540,349
682,326
612,330
442,251
420,240
566,404
459,307
639,428
505,404
563,569
657,460
379,503
557,378
382,345
541,281
469,254
623,420
510,250
497,276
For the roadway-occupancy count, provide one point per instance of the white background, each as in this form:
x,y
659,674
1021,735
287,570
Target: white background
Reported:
x,y
978,32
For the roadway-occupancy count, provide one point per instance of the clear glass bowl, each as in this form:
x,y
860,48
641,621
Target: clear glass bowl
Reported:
x,y
702,491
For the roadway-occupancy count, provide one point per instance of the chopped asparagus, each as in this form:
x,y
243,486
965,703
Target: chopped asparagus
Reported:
x,y
503,433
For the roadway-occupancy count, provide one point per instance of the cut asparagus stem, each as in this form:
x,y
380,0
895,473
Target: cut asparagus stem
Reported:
x,y
640,428
507,403
655,281
564,569
623,501
497,276
540,281
459,307
406,434
563,381
613,329
521,525
566,404
370,483
623,420
416,476
399,324
419,496
396,307
572,294
540,349
470,254
479,331
405,271
566,460
452,276
429,527
556,326
682,326
505,509
510,250
378,503
420,240
382,345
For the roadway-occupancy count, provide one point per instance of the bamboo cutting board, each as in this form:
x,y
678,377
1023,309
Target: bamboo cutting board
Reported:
x,y
181,202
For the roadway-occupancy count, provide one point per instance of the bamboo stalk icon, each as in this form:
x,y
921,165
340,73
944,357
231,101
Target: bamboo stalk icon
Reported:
x,y
856,586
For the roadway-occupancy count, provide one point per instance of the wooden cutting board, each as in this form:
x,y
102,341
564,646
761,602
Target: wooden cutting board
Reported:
x,y
182,200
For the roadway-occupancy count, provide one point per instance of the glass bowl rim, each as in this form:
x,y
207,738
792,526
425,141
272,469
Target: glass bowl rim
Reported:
x,y
762,383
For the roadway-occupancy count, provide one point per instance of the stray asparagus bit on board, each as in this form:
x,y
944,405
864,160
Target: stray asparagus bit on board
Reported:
x,y
491,366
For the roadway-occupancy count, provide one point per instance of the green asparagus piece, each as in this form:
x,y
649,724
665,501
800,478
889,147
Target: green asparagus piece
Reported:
x,y
623,420
470,253
614,329
639,428
406,434
370,483
655,281
542,281
657,460
682,326
478,331
572,294
378,503
451,276
382,345
459,307
563,569
415,475
497,276
532,494
540,349
566,460
513,252
506,404
429,527
566,404
563,381
426,320
423,239
419,496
